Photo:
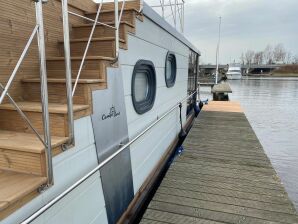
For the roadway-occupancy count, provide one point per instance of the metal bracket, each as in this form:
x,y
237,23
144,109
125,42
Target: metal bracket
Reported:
x,y
115,63
43,188
66,146
43,1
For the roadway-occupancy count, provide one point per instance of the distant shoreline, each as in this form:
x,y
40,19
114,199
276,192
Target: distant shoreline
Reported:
x,y
277,78
277,75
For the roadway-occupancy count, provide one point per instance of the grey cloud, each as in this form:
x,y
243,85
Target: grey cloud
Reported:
x,y
246,24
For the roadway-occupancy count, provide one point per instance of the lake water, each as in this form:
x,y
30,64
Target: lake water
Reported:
x,y
271,106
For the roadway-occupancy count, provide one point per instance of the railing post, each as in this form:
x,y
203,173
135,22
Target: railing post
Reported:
x,y
68,75
44,89
163,8
117,22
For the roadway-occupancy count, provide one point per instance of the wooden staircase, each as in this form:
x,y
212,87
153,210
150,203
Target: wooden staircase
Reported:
x,y
22,155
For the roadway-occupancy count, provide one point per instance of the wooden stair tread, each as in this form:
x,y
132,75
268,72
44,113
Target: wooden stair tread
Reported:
x,y
26,142
108,23
93,39
60,58
14,186
57,80
55,108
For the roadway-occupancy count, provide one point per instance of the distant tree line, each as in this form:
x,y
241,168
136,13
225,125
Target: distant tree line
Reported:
x,y
270,55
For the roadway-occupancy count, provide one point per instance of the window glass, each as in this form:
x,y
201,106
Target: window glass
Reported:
x,y
170,69
141,86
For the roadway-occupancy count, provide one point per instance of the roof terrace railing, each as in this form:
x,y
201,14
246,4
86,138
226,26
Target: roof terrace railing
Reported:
x,y
176,11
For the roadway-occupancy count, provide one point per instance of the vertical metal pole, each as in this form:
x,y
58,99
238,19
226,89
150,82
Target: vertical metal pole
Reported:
x,y
44,89
183,16
196,78
217,52
68,74
163,8
116,28
175,14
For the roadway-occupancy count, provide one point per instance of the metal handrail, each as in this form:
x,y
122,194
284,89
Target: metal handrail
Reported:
x,y
95,22
39,32
91,20
97,168
87,48
71,89
44,89
24,116
68,73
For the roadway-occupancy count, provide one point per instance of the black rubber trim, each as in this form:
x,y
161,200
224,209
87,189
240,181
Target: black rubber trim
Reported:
x,y
171,81
148,68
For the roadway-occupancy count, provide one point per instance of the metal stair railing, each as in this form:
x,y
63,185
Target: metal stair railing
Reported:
x,y
71,89
46,139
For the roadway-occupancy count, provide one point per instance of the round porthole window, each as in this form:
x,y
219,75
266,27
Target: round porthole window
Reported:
x,y
143,86
170,69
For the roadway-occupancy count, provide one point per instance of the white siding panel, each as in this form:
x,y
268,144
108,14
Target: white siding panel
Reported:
x,y
140,49
82,205
149,31
147,153
72,167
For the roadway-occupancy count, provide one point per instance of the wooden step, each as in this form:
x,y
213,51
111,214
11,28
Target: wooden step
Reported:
x,y
26,142
58,117
23,152
15,187
57,90
83,31
85,74
54,108
135,4
98,63
105,16
104,46
57,80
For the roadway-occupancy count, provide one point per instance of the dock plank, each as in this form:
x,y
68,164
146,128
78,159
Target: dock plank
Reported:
x,y
222,176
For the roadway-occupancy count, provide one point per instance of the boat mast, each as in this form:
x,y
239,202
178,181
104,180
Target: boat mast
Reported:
x,y
217,52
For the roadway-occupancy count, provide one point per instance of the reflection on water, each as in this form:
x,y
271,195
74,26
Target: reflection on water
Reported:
x,y
271,106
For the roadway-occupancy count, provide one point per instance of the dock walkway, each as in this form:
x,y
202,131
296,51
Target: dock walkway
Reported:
x,y
222,176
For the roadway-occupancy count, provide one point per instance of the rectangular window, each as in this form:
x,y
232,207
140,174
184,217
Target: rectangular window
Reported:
x,y
192,80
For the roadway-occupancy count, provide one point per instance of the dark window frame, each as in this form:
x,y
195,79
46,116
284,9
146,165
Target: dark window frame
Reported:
x,y
171,82
192,81
147,104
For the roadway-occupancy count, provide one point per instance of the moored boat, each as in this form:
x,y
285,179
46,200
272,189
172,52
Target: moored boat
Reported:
x,y
234,72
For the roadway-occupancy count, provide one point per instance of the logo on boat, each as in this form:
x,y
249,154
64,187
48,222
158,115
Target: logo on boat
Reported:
x,y
112,113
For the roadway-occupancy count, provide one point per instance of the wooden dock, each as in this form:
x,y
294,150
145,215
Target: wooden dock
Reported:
x,y
222,176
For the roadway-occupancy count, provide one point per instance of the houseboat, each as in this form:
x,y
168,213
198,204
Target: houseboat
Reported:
x,y
94,98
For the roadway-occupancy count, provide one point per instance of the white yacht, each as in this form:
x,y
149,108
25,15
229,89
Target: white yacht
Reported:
x,y
94,113
234,72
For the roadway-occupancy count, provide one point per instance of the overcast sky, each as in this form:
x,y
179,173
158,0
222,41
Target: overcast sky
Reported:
x,y
246,24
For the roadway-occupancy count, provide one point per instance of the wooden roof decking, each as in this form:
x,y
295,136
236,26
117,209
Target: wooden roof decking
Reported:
x,y
223,176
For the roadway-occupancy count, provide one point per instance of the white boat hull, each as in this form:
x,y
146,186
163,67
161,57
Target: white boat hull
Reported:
x,y
234,76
